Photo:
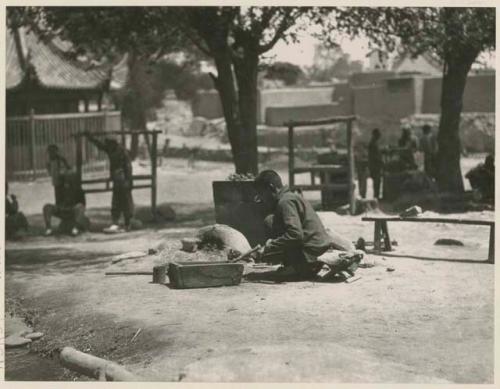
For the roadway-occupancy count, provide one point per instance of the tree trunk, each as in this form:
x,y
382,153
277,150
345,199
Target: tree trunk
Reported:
x,y
244,156
246,74
136,114
449,174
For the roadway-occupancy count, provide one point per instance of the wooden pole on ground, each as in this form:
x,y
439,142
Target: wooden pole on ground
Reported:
x,y
94,367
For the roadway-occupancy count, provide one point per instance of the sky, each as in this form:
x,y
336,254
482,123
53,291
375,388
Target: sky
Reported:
x,y
302,53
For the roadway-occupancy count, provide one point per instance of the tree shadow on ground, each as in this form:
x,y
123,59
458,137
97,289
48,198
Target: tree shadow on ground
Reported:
x,y
170,215
274,277
434,259
44,259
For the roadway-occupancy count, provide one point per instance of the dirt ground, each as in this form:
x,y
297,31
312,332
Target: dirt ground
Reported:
x,y
428,321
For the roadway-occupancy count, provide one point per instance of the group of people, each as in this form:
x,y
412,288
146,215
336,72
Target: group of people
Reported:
x,y
69,197
408,145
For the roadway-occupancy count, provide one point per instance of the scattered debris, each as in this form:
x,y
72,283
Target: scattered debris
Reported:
x,y
33,335
129,255
411,212
367,262
352,279
190,245
16,341
448,242
136,335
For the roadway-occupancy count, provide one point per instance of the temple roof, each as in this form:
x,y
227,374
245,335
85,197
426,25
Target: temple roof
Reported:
x,y
48,65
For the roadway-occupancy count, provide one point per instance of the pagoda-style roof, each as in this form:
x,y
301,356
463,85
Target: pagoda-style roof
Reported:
x,y
31,60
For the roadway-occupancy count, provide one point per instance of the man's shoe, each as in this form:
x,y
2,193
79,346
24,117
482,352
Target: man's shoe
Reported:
x,y
112,229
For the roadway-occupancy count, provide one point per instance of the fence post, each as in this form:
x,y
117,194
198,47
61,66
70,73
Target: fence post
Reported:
x,y
350,157
154,151
291,156
32,141
79,160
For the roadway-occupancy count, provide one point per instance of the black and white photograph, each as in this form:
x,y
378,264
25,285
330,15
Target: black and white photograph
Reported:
x,y
249,193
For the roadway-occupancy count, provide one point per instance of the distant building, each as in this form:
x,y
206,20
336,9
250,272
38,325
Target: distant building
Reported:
x,y
377,60
423,64
41,75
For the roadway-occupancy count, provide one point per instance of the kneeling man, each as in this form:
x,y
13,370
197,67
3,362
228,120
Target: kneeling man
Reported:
x,y
297,236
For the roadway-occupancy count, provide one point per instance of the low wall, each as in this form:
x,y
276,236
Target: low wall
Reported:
x,y
278,116
292,97
479,94
207,104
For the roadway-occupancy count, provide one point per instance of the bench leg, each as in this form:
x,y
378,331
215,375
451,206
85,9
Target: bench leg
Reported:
x,y
377,236
491,251
387,239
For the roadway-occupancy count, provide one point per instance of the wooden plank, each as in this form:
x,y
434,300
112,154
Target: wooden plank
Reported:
x,y
321,168
121,132
317,122
332,187
77,115
428,220
184,275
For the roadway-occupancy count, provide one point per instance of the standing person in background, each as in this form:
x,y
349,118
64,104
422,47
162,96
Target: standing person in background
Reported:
x,y
408,145
361,162
120,170
375,161
428,145
57,166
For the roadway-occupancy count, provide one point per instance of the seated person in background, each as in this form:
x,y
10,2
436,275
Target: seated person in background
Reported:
x,y
297,235
71,208
14,219
482,178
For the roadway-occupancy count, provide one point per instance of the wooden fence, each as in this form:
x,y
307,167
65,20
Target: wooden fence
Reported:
x,y
27,138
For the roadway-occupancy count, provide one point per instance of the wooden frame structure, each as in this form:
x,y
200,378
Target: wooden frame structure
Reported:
x,y
381,231
153,151
325,169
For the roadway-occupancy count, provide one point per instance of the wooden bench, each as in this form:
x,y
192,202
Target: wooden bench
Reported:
x,y
382,232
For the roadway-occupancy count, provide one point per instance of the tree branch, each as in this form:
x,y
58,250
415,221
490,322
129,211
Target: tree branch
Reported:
x,y
284,25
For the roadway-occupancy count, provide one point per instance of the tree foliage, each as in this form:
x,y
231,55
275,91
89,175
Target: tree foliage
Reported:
x,y
455,35
287,72
233,37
